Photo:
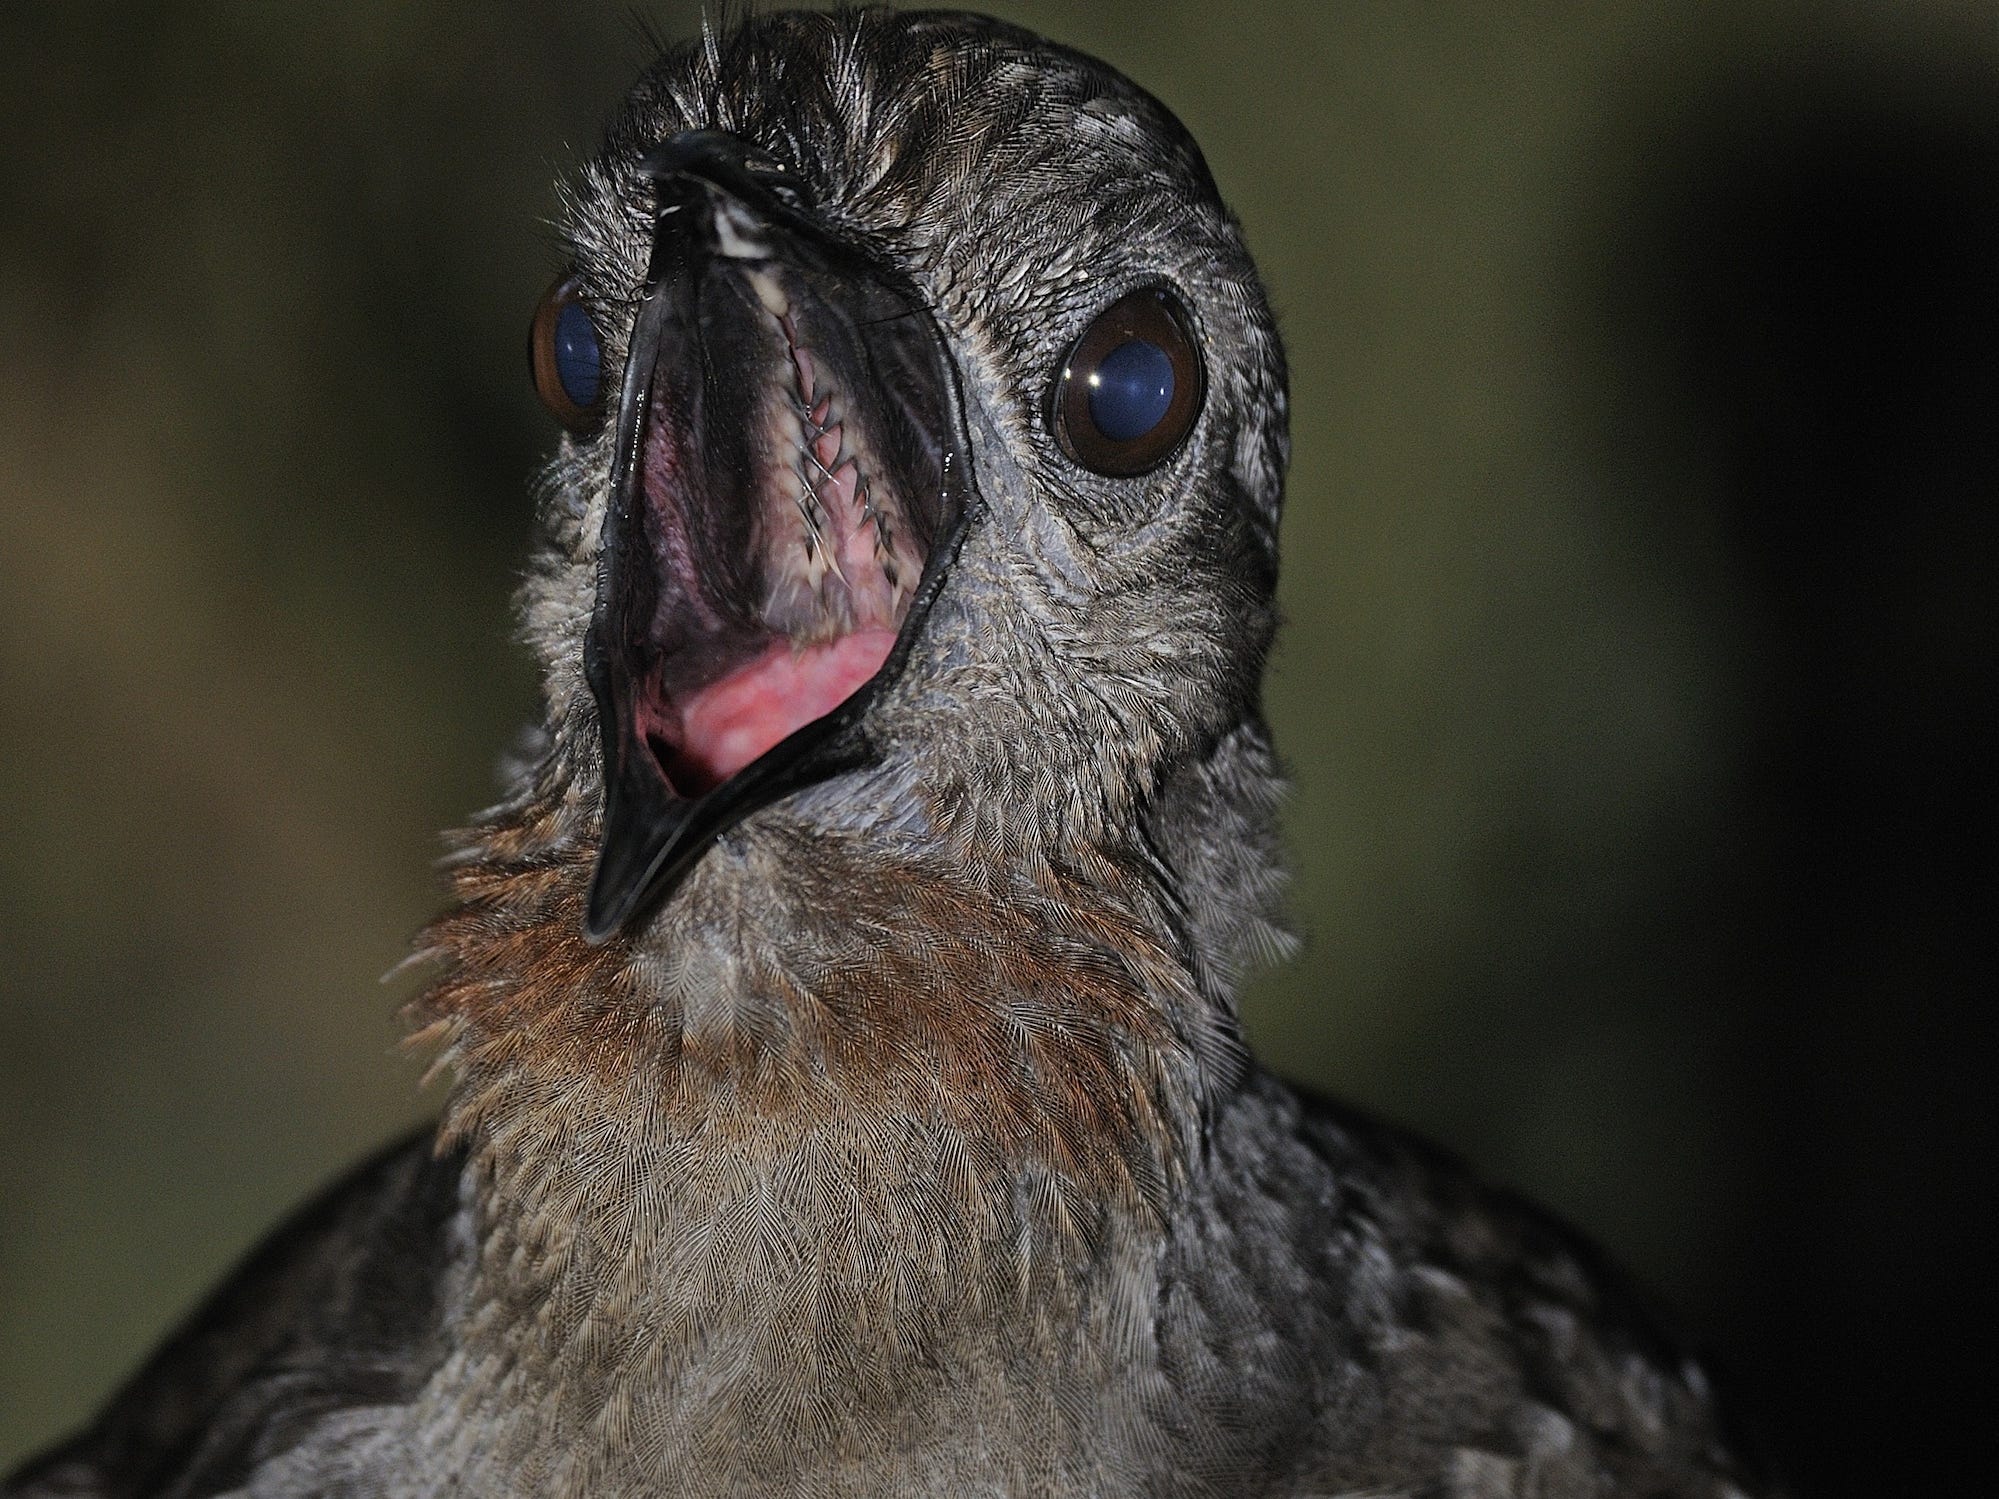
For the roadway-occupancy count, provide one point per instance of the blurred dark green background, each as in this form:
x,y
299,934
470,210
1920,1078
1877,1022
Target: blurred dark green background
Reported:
x,y
1639,579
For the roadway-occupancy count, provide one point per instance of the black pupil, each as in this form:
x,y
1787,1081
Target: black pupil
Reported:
x,y
1131,390
576,355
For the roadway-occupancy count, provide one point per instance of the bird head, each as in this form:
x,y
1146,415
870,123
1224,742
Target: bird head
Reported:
x,y
916,521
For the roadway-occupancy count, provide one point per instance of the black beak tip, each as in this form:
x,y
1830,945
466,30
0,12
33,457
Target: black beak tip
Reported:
x,y
628,862
606,908
599,924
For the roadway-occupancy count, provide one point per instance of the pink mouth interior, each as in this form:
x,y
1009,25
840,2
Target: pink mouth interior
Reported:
x,y
724,726
836,554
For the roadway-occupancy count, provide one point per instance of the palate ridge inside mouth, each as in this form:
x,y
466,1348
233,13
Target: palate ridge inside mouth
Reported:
x,y
749,648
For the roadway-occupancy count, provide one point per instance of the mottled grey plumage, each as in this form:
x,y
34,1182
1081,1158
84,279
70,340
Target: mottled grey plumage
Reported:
x,y
906,1146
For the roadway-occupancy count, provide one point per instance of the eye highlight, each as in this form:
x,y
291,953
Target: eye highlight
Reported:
x,y
1130,388
566,357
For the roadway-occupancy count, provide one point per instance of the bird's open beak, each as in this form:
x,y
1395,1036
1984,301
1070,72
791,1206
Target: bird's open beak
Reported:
x,y
788,488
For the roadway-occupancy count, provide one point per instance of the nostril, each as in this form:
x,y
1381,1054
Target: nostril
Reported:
x,y
777,179
738,167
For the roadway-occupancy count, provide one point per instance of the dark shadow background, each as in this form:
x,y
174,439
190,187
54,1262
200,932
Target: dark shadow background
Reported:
x,y
1640,583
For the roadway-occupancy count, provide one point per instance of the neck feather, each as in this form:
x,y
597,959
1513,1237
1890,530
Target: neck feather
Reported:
x,y
881,1102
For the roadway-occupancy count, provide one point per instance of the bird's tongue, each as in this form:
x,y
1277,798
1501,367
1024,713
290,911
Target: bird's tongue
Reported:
x,y
722,727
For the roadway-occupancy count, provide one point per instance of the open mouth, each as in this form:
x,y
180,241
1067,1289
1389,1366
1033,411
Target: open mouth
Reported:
x,y
778,602
784,502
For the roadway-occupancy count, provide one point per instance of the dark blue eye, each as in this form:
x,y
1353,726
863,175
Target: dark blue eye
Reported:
x,y
576,354
1131,390
1128,392
567,357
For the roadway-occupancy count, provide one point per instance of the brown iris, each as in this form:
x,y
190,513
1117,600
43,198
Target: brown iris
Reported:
x,y
1130,388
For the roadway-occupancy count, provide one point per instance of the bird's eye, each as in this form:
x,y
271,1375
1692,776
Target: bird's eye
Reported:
x,y
1130,388
567,357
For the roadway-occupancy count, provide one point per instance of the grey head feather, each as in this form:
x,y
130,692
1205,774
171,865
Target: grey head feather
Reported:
x,y
1099,639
